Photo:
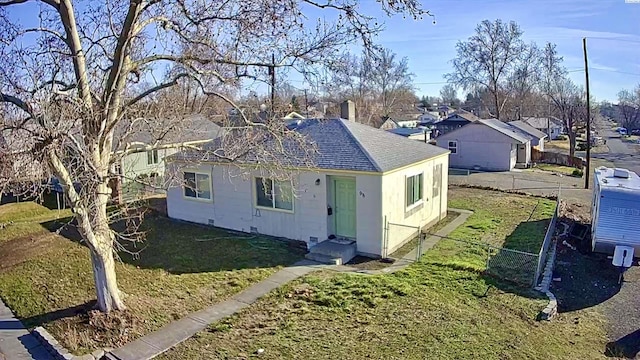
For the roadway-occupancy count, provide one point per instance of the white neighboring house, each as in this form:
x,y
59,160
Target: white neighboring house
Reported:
x,y
148,144
488,144
537,137
363,179
552,126
419,133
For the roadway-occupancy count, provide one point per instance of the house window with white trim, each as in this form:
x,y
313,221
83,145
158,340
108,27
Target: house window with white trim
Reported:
x,y
152,157
197,186
437,180
274,194
414,189
453,147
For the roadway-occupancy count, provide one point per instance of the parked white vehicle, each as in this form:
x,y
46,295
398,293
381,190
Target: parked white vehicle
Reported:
x,y
615,212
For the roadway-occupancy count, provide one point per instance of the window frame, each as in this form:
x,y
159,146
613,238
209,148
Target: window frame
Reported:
x,y
420,198
454,148
195,179
436,182
273,207
153,155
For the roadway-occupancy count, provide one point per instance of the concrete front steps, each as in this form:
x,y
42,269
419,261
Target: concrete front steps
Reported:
x,y
333,252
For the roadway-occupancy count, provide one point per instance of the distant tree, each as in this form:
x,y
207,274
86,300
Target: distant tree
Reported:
x,y
391,79
629,108
449,95
522,82
487,59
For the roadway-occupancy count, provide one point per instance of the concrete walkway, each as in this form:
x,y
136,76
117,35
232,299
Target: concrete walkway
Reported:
x,y
16,343
156,343
176,332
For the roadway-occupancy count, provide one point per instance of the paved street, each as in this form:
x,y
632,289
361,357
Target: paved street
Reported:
x,y
620,153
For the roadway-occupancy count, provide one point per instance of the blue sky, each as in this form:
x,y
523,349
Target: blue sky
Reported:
x,y
613,64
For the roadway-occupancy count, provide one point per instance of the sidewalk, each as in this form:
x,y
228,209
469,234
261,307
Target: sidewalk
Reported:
x,y
178,331
16,343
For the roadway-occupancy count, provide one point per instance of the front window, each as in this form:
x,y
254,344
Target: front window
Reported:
x,y
453,147
414,189
152,157
274,194
197,186
437,180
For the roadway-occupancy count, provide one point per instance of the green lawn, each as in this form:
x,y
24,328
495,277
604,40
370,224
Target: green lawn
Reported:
x,y
46,279
441,307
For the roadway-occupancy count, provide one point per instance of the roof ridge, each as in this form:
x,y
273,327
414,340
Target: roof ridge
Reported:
x,y
342,123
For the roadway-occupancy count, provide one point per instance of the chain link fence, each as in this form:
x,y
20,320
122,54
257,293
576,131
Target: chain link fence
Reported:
x,y
519,267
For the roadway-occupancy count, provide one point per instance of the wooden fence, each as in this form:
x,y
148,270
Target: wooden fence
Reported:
x,y
538,156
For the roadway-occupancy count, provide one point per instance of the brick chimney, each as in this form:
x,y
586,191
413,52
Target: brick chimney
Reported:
x,y
348,110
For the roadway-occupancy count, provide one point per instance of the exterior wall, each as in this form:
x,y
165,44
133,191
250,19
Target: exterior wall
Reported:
x,y
428,211
480,146
135,164
233,206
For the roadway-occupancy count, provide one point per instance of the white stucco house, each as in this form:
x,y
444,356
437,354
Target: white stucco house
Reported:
x,y
140,150
552,126
362,178
536,136
487,144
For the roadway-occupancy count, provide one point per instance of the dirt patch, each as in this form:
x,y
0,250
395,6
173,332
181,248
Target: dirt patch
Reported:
x,y
83,329
365,263
16,251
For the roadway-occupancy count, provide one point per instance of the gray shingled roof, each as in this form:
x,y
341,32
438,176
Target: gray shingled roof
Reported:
x,y
166,131
506,129
347,145
541,122
528,129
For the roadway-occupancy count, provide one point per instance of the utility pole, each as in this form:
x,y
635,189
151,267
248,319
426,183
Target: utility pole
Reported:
x,y
586,75
306,104
272,72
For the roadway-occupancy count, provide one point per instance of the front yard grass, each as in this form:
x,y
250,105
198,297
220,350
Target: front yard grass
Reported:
x,y
46,279
442,307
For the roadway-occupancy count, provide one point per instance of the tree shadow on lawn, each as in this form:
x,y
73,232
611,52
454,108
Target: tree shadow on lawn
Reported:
x,y
180,247
45,318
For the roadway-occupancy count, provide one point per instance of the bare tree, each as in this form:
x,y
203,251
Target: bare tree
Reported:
x,y
629,108
378,83
522,82
487,59
449,95
93,64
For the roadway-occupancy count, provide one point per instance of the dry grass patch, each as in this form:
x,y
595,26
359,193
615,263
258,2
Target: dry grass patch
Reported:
x,y
48,280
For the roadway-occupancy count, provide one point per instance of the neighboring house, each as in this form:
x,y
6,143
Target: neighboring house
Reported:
x,y
393,123
456,120
428,118
536,136
552,126
420,134
362,179
487,145
148,143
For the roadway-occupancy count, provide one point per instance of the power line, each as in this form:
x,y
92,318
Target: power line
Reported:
x,y
614,39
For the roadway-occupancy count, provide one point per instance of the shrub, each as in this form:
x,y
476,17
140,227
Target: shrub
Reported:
x,y
577,173
562,137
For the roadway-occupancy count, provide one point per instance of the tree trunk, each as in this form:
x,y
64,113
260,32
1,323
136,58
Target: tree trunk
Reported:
x,y
104,275
572,143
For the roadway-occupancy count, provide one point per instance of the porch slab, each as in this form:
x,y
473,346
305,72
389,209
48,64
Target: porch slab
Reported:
x,y
333,252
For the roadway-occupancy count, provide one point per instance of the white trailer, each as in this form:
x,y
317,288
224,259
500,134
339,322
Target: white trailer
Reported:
x,y
615,212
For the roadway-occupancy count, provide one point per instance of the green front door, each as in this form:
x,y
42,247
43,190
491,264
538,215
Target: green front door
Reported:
x,y
345,209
